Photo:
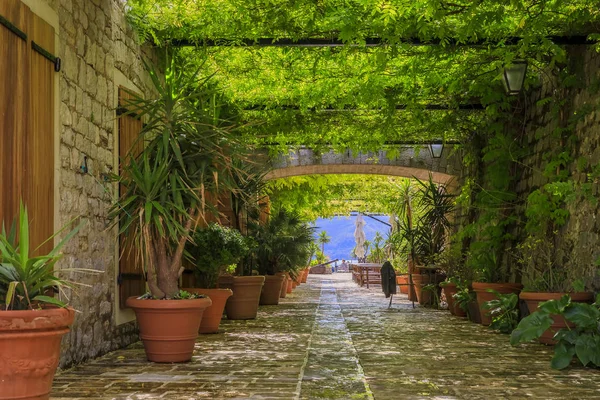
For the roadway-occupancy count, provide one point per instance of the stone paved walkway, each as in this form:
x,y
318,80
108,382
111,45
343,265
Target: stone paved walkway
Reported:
x,y
333,340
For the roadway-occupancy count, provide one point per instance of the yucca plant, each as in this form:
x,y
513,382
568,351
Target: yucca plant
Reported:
x,y
26,281
283,244
187,155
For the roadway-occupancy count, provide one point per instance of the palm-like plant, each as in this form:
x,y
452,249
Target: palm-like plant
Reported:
x,y
323,239
187,154
283,243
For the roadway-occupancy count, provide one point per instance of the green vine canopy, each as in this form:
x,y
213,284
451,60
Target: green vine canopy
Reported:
x,y
356,95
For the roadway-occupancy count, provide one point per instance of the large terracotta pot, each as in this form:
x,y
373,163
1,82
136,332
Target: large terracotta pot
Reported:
x,y
169,328
211,319
483,296
425,297
559,322
290,285
271,290
30,351
284,286
246,295
449,290
402,282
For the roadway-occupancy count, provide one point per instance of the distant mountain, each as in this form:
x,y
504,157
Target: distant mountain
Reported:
x,y
341,231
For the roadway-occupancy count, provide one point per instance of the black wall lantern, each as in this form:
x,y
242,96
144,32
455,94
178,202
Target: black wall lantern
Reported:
x,y
436,149
514,77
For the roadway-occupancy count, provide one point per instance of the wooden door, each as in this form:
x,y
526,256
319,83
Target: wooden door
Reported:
x,y
27,120
131,277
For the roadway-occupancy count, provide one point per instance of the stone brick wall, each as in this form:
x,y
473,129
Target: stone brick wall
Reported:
x,y
95,43
579,240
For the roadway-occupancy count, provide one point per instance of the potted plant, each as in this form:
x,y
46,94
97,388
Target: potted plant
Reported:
x,y
212,249
547,278
424,228
466,301
452,265
493,278
579,339
283,244
186,154
32,321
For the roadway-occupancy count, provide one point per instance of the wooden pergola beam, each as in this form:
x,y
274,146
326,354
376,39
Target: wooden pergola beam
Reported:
x,y
369,42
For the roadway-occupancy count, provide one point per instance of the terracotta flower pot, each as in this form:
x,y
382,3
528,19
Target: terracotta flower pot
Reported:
x,y
211,319
402,282
30,351
483,296
559,322
304,275
271,290
169,328
290,285
449,290
284,287
424,297
246,295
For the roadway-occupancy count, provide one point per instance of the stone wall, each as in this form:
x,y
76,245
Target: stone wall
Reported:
x,y
538,131
578,241
96,44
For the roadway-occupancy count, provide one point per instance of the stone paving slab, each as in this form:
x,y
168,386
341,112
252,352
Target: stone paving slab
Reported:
x,y
333,340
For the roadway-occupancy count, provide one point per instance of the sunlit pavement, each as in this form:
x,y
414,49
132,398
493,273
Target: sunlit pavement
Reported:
x,y
331,339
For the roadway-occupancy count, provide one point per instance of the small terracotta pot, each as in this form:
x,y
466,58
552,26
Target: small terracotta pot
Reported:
x,y
402,282
559,322
246,295
211,319
271,290
483,296
284,286
290,285
30,351
169,328
449,290
304,275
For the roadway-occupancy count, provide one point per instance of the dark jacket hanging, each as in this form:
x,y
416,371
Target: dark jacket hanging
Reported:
x,y
388,279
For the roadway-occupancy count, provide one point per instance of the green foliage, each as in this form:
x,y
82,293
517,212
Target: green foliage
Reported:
x,y
582,341
463,297
323,239
378,253
26,280
327,195
187,152
212,249
283,244
504,311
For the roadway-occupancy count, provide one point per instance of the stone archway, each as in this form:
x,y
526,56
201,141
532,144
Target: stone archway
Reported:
x,y
409,162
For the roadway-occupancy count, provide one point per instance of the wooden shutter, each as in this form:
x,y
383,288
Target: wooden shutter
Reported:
x,y
131,278
27,119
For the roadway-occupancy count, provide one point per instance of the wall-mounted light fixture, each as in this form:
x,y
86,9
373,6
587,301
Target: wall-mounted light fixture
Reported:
x,y
514,77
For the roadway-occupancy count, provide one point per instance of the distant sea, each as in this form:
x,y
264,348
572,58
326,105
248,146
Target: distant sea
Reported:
x,y
341,231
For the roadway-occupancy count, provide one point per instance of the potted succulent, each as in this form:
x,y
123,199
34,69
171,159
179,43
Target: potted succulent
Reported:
x,y
211,250
32,321
283,244
186,155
